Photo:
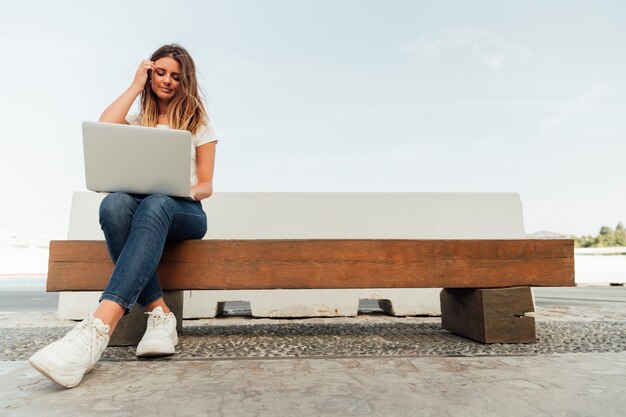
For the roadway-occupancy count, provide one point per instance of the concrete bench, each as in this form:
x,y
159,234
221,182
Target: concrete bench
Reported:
x,y
287,244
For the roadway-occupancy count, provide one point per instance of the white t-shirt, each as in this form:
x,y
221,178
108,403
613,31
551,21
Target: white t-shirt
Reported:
x,y
206,135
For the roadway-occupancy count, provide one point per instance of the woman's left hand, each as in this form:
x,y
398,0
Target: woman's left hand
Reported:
x,y
201,190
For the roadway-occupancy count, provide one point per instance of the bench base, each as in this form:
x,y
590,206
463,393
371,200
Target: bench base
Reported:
x,y
132,326
494,315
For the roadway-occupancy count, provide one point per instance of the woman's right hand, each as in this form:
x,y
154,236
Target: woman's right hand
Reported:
x,y
117,111
141,76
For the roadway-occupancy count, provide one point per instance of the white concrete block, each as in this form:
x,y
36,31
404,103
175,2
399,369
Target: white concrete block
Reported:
x,y
203,304
339,215
325,215
76,304
314,303
409,302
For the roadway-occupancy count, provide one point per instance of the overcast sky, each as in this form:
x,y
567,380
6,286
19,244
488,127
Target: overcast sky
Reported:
x,y
337,96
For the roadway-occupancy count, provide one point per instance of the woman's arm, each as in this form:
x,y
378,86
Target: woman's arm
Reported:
x,y
205,164
117,111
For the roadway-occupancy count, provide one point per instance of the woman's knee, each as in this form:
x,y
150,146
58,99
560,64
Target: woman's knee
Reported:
x,y
157,206
116,205
158,202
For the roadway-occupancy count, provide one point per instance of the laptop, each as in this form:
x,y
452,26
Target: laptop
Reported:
x,y
136,159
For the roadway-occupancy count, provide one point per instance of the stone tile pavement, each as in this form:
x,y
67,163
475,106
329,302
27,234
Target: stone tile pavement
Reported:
x,y
372,365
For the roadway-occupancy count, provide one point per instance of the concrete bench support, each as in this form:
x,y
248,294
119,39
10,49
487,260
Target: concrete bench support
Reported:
x,y
314,303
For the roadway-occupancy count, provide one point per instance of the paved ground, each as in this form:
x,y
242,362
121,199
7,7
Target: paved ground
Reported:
x,y
369,365
545,385
370,336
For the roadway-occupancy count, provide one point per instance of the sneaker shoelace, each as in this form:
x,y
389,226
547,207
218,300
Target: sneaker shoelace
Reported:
x,y
86,335
157,320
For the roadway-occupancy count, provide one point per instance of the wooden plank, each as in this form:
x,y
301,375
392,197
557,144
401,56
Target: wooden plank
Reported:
x,y
495,315
307,264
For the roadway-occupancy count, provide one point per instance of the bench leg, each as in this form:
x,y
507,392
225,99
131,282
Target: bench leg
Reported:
x,y
494,315
131,328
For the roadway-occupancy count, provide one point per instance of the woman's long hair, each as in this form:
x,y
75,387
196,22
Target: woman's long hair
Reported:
x,y
185,111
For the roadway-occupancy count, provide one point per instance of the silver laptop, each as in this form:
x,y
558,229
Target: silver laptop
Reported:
x,y
137,159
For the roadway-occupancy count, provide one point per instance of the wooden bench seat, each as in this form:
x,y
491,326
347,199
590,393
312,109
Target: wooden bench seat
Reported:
x,y
486,282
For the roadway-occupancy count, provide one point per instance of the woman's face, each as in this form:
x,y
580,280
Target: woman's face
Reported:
x,y
165,78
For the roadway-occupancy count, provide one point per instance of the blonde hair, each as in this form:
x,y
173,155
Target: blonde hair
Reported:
x,y
185,111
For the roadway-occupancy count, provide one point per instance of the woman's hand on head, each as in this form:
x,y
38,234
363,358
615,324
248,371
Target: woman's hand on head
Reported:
x,y
117,111
141,76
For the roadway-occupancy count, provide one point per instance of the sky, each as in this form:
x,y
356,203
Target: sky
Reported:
x,y
340,95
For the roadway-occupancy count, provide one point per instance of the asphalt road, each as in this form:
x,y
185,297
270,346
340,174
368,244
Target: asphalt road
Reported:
x,y
39,300
28,300
580,296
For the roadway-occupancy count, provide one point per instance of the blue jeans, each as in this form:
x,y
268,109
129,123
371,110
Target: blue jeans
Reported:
x,y
136,227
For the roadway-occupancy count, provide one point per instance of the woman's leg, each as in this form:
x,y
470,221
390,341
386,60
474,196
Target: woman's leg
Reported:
x,y
116,214
157,218
116,218
117,211
188,222
69,358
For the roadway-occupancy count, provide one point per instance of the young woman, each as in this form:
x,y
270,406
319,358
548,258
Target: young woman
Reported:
x,y
136,226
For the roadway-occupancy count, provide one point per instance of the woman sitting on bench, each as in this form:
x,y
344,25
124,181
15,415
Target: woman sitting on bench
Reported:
x,y
137,226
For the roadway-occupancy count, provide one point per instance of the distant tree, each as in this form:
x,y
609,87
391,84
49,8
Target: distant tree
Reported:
x,y
620,235
606,238
584,241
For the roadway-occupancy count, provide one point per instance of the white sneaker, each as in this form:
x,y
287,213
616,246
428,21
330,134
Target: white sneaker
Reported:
x,y
68,359
160,338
